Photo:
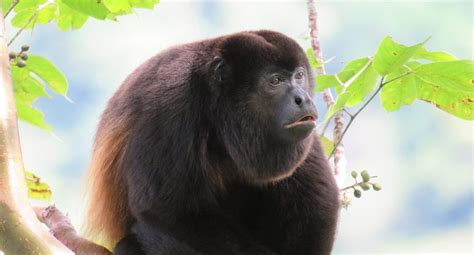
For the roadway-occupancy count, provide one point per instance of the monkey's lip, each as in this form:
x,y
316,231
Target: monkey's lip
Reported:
x,y
308,119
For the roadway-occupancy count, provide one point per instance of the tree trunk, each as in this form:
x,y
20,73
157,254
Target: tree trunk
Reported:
x,y
20,230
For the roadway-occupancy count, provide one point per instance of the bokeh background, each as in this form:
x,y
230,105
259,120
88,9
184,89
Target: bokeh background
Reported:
x,y
423,156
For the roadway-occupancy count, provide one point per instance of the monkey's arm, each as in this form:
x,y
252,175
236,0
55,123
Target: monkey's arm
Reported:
x,y
305,208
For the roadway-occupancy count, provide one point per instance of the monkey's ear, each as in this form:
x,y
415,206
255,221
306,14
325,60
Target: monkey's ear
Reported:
x,y
220,70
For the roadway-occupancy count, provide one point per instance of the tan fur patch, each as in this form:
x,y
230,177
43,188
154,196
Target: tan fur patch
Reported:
x,y
107,212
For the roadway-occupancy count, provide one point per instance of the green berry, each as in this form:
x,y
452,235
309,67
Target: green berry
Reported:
x,y
24,56
12,55
377,186
365,186
357,193
25,48
354,174
365,176
20,63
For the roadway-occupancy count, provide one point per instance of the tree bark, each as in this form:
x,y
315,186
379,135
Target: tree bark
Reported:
x,y
20,230
339,166
60,226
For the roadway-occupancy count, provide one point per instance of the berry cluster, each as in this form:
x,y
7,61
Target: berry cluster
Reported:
x,y
19,58
365,184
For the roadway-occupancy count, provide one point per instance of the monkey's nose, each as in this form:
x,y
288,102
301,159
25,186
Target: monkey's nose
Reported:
x,y
298,100
301,97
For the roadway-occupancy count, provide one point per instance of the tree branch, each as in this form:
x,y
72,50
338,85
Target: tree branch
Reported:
x,y
20,230
317,51
339,159
61,228
353,116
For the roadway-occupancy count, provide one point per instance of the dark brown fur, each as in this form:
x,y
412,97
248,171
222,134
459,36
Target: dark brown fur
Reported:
x,y
187,159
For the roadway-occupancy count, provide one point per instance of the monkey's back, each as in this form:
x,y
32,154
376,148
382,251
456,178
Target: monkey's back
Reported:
x,y
158,85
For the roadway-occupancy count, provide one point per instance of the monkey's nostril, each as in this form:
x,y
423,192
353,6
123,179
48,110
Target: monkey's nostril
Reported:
x,y
298,100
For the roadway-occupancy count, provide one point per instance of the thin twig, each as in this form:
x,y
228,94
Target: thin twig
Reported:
x,y
14,3
353,116
23,28
396,78
352,186
357,184
347,112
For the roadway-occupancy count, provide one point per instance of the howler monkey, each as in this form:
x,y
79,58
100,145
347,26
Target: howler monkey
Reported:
x,y
208,148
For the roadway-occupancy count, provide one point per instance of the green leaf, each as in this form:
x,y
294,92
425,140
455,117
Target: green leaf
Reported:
x,y
455,75
32,13
362,86
27,89
399,91
92,8
325,81
311,59
33,87
435,56
359,77
31,115
26,86
148,4
36,188
49,73
46,14
23,17
351,69
6,5
391,55
328,145
117,5
28,4
69,18
338,105
448,85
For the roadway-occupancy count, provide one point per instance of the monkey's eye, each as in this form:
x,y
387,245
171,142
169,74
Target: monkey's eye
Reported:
x,y
299,75
275,80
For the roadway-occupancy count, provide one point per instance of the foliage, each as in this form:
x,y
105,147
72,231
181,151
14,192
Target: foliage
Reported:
x,y
29,81
31,74
404,74
407,73
36,188
70,14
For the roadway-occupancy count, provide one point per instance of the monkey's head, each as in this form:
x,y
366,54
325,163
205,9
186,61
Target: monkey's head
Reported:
x,y
263,113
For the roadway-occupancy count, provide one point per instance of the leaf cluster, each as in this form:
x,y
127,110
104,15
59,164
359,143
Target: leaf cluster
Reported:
x,y
30,80
405,74
32,74
70,14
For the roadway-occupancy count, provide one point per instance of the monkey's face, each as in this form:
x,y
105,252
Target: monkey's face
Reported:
x,y
281,97
266,110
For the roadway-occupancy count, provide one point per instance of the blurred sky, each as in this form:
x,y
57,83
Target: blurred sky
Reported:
x,y
423,156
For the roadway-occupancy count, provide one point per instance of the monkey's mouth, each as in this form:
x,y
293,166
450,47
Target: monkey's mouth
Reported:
x,y
308,119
